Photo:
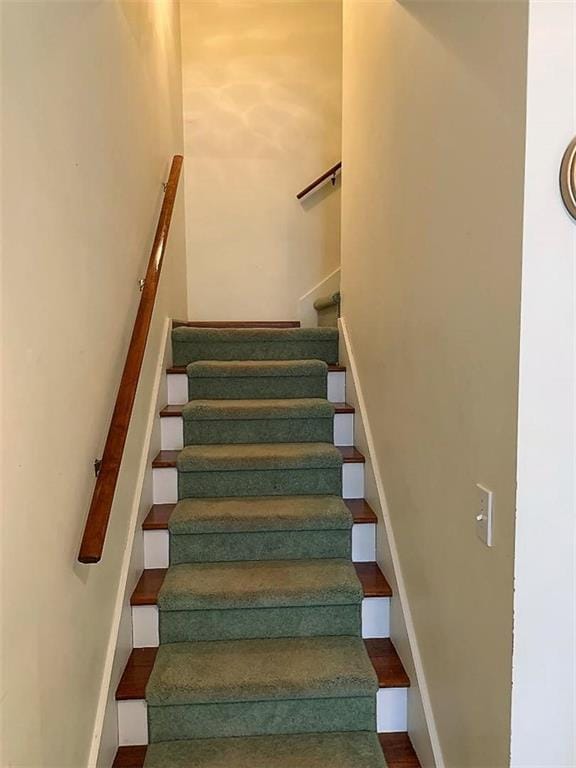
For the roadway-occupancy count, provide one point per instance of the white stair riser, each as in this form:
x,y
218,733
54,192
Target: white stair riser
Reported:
x,y
165,483
337,387
156,546
376,617
145,632
343,429
145,629
132,723
178,387
364,543
391,709
353,481
172,431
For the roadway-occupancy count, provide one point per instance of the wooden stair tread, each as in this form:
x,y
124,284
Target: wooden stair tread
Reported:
x,y
167,459
157,518
373,581
182,368
397,748
159,514
385,660
148,587
146,591
362,512
351,455
236,323
136,674
171,411
130,757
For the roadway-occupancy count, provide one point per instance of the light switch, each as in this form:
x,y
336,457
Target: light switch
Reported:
x,y
484,514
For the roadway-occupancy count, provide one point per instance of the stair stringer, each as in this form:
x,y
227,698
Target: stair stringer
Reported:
x,y
421,723
120,645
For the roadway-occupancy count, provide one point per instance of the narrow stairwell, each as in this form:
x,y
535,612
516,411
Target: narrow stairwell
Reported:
x,y
261,622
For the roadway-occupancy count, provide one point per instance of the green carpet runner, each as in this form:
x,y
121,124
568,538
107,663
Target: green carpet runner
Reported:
x,y
251,379
260,528
320,750
258,687
260,469
192,344
259,598
261,661
258,421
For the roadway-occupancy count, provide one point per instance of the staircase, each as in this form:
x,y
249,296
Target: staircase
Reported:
x,y
261,620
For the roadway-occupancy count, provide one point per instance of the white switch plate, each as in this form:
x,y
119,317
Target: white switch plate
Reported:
x,y
484,514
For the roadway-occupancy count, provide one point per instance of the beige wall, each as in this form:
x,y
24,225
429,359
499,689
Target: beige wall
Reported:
x,y
433,149
91,114
262,107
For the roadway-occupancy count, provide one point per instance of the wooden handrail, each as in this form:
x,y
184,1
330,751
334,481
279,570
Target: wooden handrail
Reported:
x,y
331,173
103,496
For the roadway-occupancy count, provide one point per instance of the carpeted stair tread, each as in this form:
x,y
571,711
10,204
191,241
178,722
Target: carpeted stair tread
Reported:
x,y
259,513
251,421
147,589
252,335
175,410
301,668
316,750
390,672
219,410
212,369
159,514
255,379
260,584
192,344
259,456
165,459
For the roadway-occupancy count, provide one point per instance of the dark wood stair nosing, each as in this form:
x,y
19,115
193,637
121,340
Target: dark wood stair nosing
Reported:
x,y
167,459
181,369
397,748
362,512
175,411
236,323
130,757
146,592
159,514
386,662
132,685
148,587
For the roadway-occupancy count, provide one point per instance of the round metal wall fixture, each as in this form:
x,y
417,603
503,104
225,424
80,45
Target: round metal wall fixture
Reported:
x,y
568,178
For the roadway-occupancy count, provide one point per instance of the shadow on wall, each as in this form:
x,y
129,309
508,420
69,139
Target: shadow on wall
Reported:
x,y
450,31
253,91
